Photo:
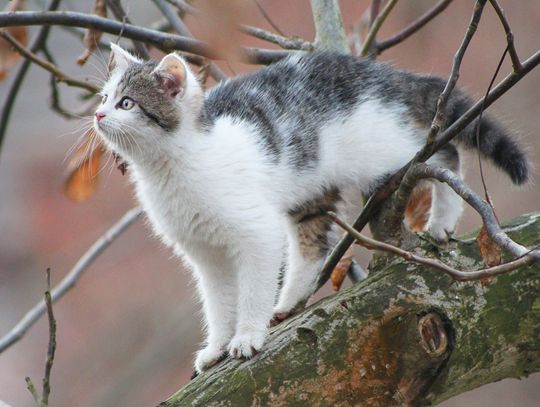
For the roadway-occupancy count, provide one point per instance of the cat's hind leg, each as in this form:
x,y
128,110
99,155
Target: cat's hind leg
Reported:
x,y
311,235
447,206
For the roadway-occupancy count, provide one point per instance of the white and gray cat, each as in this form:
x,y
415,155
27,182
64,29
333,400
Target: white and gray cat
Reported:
x,y
235,178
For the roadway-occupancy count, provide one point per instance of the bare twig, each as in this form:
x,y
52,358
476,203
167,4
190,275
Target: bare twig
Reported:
x,y
177,23
385,191
121,15
60,76
375,27
413,27
283,42
484,209
374,8
183,6
159,39
52,343
458,275
43,401
55,93
9,100
330,33
516,63
267,17
32,389
71,278
482,177
399,202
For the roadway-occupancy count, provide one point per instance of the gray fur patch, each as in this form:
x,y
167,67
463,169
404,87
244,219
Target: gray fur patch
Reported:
x,y
140,84
313,226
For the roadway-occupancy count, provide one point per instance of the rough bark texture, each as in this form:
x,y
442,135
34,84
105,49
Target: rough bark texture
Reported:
x,y
404,336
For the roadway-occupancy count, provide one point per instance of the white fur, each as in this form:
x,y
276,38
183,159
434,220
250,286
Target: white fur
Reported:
x,y
219,202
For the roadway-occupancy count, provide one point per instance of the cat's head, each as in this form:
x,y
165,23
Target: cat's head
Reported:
x,y
144,103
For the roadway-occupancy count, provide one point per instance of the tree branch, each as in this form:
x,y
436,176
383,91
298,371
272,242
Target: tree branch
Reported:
x,y
375,27
413,27
374,203
283,42
177,23
516,64
435,264
330,34
405,337
37,43
159,39
69,281
60,76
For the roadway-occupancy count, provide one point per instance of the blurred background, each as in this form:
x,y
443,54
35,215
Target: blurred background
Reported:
x,y
128,331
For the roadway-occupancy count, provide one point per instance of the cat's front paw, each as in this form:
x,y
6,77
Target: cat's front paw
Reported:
x,y
246,345
208,357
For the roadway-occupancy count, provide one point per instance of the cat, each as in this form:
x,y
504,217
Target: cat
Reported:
x,y
239,177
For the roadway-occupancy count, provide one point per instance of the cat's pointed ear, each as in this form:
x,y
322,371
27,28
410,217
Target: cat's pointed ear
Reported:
x,y
172,74
121,59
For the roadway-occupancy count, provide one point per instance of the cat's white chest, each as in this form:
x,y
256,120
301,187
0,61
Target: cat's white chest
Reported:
x,y
177,211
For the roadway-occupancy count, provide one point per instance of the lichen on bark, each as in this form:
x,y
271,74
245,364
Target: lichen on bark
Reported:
x,y
366,345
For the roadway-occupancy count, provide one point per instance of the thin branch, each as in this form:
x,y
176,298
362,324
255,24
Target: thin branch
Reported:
x,y
52,344
121,15
164,41
516,63
477,130
183,7
177,23
484,209
375,27
32,389
71,278
60,76
399,202
9,100
374,9
55,93
413,27
374,203
458,275
267,17
283,42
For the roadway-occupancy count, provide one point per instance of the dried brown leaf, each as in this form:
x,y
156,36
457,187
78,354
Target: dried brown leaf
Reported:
x,y
490,251
340,271
92,37
8,56
418,208
83,168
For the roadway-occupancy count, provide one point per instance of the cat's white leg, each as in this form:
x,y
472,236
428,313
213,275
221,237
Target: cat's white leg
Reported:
x,y
447,206
259,260
309,242
216,281
446,209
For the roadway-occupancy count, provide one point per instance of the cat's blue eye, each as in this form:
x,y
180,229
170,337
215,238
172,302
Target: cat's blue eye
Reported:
x,y
126,103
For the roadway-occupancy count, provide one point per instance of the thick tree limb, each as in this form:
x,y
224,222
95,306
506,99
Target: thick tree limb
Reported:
x,y
405,336
330,33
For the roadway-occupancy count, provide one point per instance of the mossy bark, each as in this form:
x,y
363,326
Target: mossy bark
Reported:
x,y
407,335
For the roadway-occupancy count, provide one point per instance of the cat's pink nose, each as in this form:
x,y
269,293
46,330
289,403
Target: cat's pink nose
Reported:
x,y
99,116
